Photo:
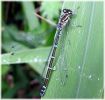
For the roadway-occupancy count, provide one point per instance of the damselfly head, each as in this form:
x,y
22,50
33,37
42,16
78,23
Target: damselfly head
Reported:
x,y
67,11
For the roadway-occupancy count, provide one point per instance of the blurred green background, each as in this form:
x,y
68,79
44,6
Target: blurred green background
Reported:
x,y
28,30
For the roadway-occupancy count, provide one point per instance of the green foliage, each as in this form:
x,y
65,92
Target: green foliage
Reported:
x,y
5,69
50,9
29,11
36,57
21,39
82,55
10,92
11,38
24,37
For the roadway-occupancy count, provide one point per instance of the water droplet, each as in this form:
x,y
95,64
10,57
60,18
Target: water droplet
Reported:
x,y
54,68
12,53
79,32
35,60
98,79
67,32
65,69
57,79
62,82
39,60
43,42
79,67
19,60
100,90
28,38
90,76
4,60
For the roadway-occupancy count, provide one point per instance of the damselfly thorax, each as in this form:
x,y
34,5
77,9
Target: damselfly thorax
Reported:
x,y
65,17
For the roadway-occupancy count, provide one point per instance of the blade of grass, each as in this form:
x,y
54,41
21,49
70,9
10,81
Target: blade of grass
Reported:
x,y
29,11
36,57
84,54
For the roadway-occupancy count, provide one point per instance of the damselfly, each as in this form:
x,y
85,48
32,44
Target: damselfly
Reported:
x,y
64,18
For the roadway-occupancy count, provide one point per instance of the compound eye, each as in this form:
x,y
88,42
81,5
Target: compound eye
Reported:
x,y
64,10
70,12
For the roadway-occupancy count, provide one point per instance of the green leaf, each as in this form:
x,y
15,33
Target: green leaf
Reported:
x,y
50,9
5,69
36,57
12,91
29,11
79,65
11,37
20,39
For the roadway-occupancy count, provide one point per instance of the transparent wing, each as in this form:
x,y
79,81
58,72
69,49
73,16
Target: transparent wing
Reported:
x,y
63,63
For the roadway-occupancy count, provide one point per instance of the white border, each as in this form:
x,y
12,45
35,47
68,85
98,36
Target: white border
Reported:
x,y
50,1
